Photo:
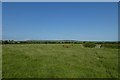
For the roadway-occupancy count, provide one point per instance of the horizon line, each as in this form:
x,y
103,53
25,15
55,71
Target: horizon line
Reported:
x,y
63,40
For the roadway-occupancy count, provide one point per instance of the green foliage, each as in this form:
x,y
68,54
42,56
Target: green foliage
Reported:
x,y
114,46
90,45
86,43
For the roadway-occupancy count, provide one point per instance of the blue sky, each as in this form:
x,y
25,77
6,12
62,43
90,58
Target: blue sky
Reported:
x,y
0,21
92,21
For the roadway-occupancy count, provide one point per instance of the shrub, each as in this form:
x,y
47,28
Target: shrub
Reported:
x,y
90,45
115,46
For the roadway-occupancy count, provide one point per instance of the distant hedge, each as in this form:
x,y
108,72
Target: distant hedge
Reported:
x,y
114,46
90,45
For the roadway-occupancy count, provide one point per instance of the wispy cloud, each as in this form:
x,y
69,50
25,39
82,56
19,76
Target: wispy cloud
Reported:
x,y
27,39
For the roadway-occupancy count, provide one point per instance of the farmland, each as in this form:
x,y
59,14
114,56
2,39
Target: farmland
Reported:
x,y
56,61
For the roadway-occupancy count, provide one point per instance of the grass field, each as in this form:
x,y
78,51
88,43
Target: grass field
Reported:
x,y
56,61
0,61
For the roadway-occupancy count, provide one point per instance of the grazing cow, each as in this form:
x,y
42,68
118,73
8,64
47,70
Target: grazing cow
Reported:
x,y
81,45
98,46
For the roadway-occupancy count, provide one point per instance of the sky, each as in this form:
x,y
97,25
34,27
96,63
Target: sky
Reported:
x,y
0,21
84,21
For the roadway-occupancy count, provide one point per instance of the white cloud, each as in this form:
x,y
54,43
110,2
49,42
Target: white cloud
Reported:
x,y
27,39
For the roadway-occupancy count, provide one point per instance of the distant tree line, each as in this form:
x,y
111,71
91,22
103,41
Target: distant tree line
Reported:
x,y
55,42
114,45
90,44
41,42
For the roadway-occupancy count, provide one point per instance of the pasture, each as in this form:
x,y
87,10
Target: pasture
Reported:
x,y
58,61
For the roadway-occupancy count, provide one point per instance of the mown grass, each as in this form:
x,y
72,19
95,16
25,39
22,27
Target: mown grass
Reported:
x,y
56,61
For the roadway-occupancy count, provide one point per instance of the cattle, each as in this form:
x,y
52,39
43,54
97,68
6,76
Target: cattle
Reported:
x,y
98,46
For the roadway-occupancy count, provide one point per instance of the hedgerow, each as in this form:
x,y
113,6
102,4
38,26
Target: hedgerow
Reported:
x,y
90,45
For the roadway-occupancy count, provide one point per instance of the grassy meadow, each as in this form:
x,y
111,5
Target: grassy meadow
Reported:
x,y
0,61
56,61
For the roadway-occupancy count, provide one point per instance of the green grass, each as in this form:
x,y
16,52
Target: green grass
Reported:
x,y
56,61
0,61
